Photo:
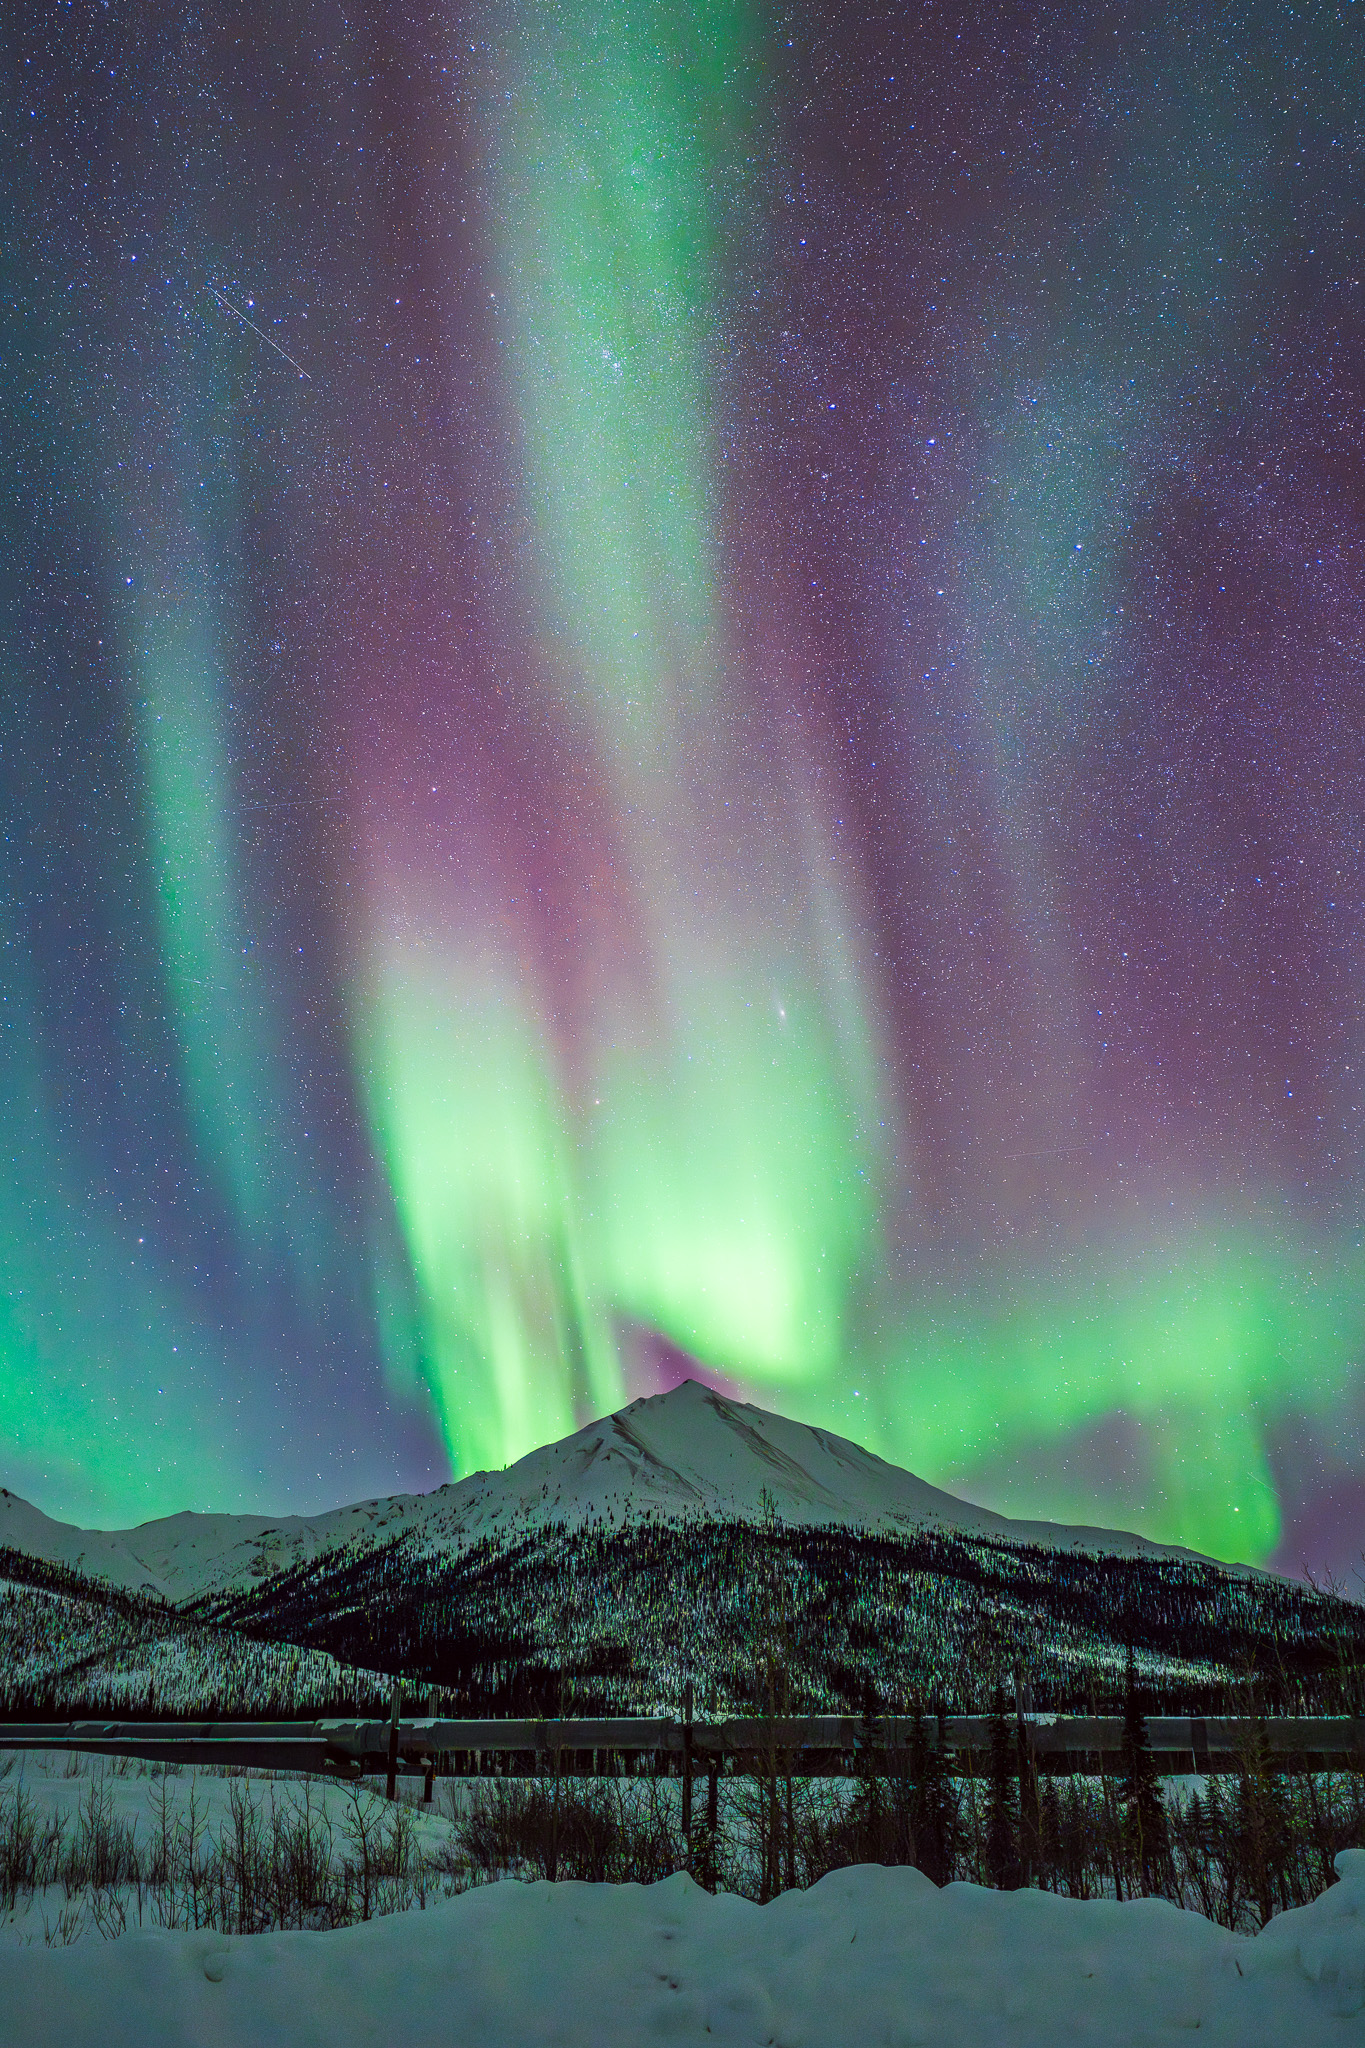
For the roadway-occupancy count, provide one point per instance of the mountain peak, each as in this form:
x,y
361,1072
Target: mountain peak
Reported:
x,y
688,1452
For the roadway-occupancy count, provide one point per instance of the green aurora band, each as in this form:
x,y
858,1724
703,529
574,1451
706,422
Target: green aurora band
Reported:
x,y
307,1133
719,1177
715,1179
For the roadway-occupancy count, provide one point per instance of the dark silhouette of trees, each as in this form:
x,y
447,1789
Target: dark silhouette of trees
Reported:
x,y
618,1618
1003,1865
930,1613
1144,1810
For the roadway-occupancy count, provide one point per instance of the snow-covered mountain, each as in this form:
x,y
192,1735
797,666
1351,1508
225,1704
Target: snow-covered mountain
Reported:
x,y
181,1556
687,1452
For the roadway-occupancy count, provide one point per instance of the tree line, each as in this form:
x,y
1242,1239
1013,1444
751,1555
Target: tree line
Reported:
x,y
609,1618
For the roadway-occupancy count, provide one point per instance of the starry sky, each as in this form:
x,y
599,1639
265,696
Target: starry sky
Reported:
x,y
682,694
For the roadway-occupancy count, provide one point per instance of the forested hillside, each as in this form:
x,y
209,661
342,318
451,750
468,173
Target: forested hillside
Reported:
x,y
618,1619
71,1647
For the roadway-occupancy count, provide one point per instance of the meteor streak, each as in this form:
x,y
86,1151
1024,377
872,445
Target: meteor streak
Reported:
x,y
237,313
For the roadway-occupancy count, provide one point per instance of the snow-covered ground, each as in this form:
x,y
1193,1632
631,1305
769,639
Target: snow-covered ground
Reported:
x,y
869,1956
687,1452
120,1845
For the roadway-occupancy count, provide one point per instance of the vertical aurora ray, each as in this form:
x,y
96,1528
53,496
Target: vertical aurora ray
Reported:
x,y
471,1125
759,764
216,945
709,1174
192,628
205,942
618,124
729,1170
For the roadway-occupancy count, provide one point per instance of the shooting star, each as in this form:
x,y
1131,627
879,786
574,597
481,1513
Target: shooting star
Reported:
x,y
237,314
1052,1152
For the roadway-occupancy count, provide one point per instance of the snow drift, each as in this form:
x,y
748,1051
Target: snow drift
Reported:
x,y
869,1956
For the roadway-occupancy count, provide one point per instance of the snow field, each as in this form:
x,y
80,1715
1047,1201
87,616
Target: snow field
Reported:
x,y
57,1781
93,1848
868,1958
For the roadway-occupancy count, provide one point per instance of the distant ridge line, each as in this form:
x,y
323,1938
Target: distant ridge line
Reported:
x,y
675,1455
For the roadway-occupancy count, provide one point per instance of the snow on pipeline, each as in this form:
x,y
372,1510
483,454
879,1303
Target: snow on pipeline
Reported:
x,y
868,1956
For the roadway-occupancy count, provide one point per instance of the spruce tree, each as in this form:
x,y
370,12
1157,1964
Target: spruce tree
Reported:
x,y
1030,1808
1262,1823
1144,1811
931,1813
1002,1814
1050,1854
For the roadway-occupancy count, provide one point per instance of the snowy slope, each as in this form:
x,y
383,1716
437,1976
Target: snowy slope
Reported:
x,y
689,1451
867,1958
180,1555
80,1656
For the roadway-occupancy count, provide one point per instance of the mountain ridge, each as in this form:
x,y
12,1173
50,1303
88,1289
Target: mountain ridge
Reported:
x,y
684,1453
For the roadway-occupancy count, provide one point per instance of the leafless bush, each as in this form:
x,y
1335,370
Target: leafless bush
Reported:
x,y
67,1928
102,1851
275,1861
603,1830
1238,1848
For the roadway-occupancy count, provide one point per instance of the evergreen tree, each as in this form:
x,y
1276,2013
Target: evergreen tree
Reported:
x,y
1030,1809
1144,1810
1002,1815
932,1810
1262,1823
1050,1835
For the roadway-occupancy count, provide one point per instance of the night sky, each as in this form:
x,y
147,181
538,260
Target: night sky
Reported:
x,y
682,692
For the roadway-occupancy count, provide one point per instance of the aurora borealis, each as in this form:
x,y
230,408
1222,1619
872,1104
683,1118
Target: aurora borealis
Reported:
x,y
746,759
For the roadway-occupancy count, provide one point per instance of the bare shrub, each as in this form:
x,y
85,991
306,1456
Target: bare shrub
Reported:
x,y
1236,1848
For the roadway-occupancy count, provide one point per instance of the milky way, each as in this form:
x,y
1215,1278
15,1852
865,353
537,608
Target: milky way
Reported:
x,y
682,694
